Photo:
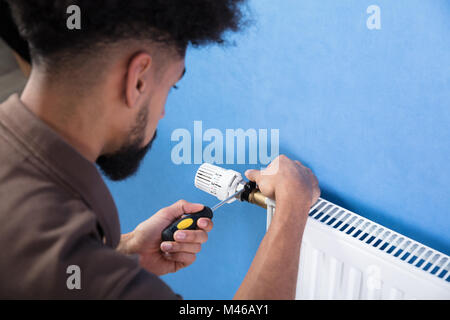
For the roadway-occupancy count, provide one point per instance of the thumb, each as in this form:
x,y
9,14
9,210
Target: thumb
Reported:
x,y
253,175
181,207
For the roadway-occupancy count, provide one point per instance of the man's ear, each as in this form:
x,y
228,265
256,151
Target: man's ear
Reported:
x,y
136,78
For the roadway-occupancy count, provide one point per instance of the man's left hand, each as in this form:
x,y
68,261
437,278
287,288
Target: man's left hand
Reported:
x,y
168,256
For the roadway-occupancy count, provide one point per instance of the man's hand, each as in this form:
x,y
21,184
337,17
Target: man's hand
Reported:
x,y
169,256
286,178
295,189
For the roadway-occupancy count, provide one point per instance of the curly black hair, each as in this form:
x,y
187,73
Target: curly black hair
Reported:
x,y
175,23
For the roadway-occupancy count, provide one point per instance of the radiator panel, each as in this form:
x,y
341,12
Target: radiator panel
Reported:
x,y
346,256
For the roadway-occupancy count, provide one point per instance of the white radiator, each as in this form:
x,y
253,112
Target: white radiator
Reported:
x,y
346,256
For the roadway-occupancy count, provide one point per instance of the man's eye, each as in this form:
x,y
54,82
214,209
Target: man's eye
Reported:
x,y
175,87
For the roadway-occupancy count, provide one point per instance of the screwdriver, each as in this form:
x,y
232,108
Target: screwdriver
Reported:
x,y
189,222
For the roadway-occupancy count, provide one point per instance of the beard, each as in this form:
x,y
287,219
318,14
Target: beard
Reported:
x,y
125,162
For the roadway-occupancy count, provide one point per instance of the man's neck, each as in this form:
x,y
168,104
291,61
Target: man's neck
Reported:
x,y
62,113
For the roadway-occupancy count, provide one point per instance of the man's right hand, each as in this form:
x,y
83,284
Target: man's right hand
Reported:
x,y
285,178
295,189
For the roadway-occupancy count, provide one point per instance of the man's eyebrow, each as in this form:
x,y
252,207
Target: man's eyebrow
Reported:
x,y
182,75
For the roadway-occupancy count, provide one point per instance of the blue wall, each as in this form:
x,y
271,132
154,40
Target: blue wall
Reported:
x,y
367,110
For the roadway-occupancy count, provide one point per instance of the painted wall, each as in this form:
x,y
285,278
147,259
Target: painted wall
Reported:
x,y
367,110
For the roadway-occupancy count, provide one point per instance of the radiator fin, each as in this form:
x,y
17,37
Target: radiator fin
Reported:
x,y
382,238
361,259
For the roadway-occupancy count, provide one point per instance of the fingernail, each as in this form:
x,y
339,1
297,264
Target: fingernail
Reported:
x,y
166,246
180,235
203,223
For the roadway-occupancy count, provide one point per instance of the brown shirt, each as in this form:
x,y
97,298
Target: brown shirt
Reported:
x,y
55,212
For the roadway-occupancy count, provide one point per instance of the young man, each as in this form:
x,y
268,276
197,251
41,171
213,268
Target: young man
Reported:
x,y
95,96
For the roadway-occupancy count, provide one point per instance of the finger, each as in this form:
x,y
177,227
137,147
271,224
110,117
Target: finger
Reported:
x,y
302,165
253,175
173,247
181,207
189,207
181,257
199,236
316,189
205,224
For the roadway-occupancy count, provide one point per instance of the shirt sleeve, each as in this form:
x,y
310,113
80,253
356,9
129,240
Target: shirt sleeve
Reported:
x,y
109,274
55,251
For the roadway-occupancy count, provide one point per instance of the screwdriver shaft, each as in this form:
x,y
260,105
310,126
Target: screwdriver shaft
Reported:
x,y
217,206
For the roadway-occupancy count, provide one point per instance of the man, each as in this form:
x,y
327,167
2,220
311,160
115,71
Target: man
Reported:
x,y
95,96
